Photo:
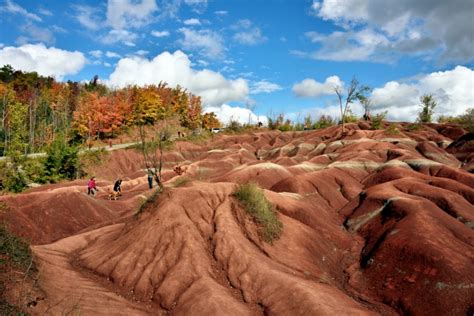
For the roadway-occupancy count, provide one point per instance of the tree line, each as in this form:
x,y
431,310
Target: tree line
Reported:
x,y
35,109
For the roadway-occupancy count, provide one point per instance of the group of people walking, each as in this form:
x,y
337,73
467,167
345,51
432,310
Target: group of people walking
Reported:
x,y
117,190
92,187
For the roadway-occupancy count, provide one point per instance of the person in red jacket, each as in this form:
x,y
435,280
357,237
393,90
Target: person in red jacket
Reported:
x,y
91,187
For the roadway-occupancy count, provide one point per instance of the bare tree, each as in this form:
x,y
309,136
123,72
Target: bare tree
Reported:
x,y
354,92
152,150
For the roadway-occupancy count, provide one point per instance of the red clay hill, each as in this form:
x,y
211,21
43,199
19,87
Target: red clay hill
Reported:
x,y
373,224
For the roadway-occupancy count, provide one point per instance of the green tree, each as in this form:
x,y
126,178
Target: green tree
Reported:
x,y
62,160
428,103
18,130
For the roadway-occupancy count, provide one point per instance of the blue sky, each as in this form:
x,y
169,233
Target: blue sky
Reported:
x,y
262,57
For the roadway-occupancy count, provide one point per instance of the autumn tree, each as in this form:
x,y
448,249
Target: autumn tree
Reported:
x,y
209,120
147,105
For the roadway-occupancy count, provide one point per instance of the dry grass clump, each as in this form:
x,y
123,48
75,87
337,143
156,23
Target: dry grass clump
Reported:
x,y
262,211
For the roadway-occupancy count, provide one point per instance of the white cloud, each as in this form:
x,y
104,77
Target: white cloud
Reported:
x,y
127,13
348,46
110,54
160,33
453,90
14,8
264,86
311,88
45,12
141,52
248,34
192,22
198,6
123,36
88,17
35,33
176,69
206,42
226,113
221,12
411,27
46,61
96,53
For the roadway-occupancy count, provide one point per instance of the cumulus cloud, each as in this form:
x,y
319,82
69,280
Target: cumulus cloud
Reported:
x,y
248,34
402,27
160,33
206,42
192,22
14,8
264,86
128,13
176,69
453,90
46,61
311,88
226,113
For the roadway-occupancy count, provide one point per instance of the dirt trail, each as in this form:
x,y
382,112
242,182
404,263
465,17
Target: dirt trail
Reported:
x,y
372,224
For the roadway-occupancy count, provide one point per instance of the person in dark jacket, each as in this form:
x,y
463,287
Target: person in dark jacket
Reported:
x,y
118,186
150,179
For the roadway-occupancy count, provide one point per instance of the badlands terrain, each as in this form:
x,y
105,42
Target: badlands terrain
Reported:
x,y
374,223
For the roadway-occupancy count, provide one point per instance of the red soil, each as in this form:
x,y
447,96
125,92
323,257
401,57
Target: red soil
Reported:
x,y
373,223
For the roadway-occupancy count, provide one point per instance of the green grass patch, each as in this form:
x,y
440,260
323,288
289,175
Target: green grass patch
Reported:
x,y
392,129
152,198
261,210
10,310
414,127
14,249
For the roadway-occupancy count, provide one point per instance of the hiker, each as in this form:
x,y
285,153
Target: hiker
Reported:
x,y
91,187
150,179
118,186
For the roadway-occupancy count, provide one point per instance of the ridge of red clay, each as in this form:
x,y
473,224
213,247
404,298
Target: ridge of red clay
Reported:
x,y
373,223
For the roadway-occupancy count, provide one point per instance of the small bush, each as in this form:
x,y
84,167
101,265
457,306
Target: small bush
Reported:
x,y
350,117
12,178
262,211
392,129
34,170
8,309
152,198
323,122
378,119
443,119
234,126
15,249
467,120
414,127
